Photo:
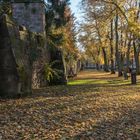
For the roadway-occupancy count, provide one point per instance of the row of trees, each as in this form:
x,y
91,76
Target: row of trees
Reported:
x,y
110,33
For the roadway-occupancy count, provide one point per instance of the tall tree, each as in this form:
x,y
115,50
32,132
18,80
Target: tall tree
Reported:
x,y
124,33
60,33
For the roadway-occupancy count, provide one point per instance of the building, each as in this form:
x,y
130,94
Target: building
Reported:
x,y
30,13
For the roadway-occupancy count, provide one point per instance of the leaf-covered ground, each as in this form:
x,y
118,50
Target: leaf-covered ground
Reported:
x,y
94,106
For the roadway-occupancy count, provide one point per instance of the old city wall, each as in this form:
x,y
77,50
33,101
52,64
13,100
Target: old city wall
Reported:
x,y
30,14
19,50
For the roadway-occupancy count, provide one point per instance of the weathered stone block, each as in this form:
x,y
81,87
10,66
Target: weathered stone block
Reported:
x,y
17,49
8,73
25,14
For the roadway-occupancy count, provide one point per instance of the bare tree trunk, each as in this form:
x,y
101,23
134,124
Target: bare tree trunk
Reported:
x,y
111,49
117,47
128,54
136,56
137,50
105,60
97,66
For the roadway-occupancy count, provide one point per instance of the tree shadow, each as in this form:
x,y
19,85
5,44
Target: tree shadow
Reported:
x,y
126,126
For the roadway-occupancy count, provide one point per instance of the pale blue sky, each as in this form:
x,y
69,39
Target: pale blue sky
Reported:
x,y
75,8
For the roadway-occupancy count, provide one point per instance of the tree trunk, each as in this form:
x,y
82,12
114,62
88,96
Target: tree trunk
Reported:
x,y
105,60
117,48
128,55
111,49
97,66
136,56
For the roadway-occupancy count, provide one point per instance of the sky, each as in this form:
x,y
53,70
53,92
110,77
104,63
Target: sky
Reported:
x,y
75,8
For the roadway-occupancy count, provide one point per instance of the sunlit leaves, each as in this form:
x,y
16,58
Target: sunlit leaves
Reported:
x,y
98,108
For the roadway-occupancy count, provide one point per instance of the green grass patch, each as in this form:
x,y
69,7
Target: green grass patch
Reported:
x,y
99,82
87,81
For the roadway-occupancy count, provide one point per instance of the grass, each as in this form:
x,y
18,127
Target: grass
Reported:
x,y
93,106
87,81
96,78
97,82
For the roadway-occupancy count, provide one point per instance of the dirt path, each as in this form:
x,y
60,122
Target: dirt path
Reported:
x,y
94,106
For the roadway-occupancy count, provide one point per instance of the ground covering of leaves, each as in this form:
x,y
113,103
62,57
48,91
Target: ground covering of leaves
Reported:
x,y
95,106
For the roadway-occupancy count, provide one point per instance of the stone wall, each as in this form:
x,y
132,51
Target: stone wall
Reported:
x,y
9,77
31,15
19,51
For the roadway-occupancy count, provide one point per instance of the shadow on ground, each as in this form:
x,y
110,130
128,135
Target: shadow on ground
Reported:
x,y
92,109
126,126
